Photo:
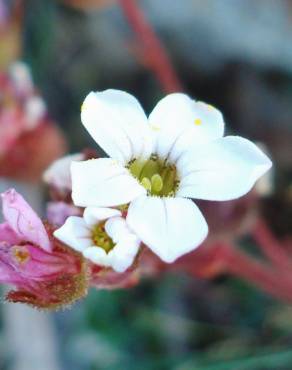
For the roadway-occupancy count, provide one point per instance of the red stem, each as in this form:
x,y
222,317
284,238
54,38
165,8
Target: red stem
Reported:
x,y
271,247
263,276
153,50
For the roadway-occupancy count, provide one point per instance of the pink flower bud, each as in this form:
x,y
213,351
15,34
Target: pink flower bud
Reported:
x,y
58,212
23,220
46,273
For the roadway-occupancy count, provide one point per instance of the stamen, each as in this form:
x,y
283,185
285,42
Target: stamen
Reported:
x,y
157,176
198,121
146,183
21,254
107,246
135,167
150,168
101,239
156,183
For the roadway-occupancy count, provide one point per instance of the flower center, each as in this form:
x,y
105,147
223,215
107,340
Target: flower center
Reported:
x,y
157,176
101,238
21,254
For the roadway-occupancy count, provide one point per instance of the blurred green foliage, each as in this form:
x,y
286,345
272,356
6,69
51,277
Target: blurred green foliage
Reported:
x,y
178,323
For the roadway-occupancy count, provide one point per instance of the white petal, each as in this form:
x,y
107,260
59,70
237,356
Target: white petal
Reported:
x,y
20,73
117,122
103,183
170,227
116,228
74,233
124,253
225,169
177,122
93,215
58,173
35,109
97,255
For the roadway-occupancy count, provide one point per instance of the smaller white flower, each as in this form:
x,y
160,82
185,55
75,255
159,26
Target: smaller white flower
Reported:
x,y
102,236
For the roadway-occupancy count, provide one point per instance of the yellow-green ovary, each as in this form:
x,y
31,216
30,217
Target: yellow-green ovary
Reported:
x,y
158,177
101,238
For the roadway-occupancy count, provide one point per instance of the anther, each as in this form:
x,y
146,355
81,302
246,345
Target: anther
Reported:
x,y
156,183
146,183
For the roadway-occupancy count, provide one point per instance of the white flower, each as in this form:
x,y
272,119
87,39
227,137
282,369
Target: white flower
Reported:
x,y
156,164
102,236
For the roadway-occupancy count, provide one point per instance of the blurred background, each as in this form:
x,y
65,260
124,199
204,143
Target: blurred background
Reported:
x,y
236,55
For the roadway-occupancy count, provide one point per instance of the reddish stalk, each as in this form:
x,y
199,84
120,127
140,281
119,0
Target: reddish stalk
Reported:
x,y
261,275
153,51
271,247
